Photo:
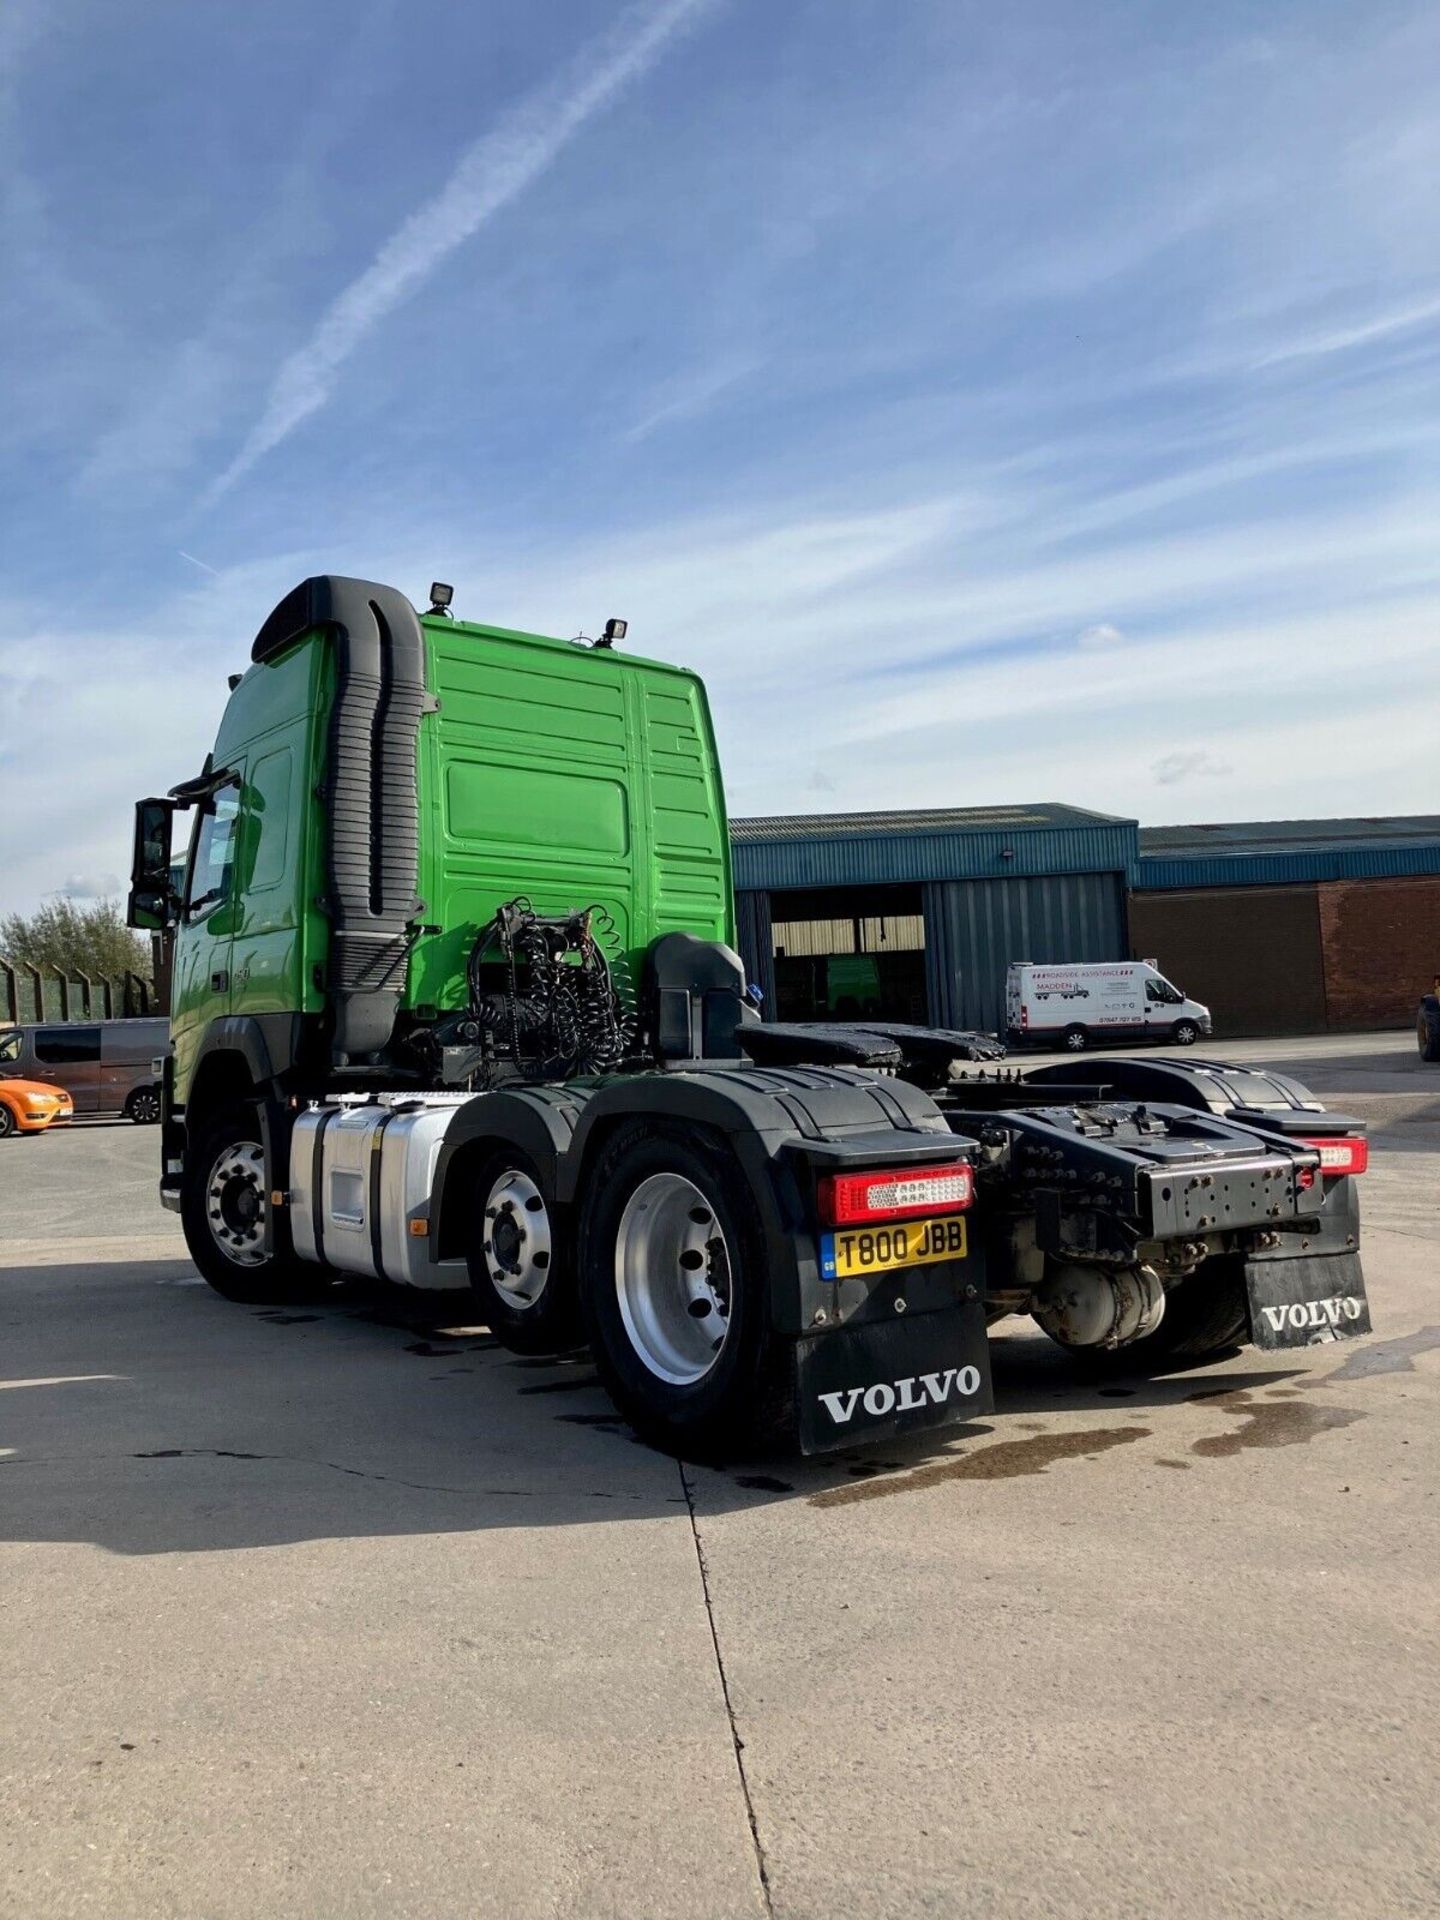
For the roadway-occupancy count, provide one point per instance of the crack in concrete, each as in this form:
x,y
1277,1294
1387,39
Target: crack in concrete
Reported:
x,y
362,1473
737,1744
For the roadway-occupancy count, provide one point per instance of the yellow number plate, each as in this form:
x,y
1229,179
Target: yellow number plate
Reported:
x,y
907,1243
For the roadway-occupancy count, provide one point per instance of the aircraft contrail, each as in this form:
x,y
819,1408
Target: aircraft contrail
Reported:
x,y
489,174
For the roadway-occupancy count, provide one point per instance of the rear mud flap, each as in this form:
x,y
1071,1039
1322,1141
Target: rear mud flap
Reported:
x,y
1303,1302
880,1378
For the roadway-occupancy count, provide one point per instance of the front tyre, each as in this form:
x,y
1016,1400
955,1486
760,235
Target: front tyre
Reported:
x,y
225,1210
1184,1033
675,1294
519,1267
143,1107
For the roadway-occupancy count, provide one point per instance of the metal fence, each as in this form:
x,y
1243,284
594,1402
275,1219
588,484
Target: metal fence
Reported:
x,y
29,993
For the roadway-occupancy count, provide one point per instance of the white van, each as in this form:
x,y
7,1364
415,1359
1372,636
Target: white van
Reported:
x,y
1075,1007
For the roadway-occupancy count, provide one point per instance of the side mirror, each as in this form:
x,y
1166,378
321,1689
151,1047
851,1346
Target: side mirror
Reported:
x,y
153,903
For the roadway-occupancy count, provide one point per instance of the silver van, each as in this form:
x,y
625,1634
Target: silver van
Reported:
x,y
108,1067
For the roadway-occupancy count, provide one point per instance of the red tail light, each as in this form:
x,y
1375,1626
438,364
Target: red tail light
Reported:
x,y
894,1193
1348,1153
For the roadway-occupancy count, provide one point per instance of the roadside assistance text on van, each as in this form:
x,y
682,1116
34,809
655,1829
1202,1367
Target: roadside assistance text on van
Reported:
x,y
1072,1007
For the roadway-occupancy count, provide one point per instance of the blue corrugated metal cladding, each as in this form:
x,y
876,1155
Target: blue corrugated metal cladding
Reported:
x,y
884,859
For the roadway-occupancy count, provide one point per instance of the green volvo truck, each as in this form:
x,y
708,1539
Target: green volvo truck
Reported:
x,y
456,1005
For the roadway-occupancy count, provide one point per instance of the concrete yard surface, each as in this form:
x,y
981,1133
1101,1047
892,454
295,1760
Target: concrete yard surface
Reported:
x,y
343,1610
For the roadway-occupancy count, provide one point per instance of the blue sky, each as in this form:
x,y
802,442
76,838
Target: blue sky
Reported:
x,y
994,403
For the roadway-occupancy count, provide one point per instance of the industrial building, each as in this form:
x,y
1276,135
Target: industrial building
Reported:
x,y
1280,927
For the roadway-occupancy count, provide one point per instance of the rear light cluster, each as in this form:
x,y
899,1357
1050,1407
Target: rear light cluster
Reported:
x,y
1348,1154
896,1193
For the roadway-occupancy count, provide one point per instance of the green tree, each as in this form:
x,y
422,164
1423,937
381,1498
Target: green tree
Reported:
x,y
70,937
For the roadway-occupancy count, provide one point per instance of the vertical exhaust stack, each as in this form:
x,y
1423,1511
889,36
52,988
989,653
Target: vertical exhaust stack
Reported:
x,y
373,845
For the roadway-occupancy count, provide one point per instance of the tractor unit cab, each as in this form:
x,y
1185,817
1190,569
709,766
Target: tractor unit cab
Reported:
x,y
447,852
455,1004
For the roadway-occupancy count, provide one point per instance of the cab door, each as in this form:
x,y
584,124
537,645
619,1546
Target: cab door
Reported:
x,y
200,985
1161,1000
270,876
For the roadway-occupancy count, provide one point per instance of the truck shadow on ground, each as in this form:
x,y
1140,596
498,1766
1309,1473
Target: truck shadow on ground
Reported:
x,y
144,1415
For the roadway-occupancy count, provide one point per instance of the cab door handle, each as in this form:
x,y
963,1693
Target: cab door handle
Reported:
x,y
219,981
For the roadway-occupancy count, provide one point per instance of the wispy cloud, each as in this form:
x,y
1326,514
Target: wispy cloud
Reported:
x,y
690,394
1188,763
1342,339
1102,635
491,173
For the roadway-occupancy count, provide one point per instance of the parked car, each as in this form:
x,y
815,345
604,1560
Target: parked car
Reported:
x,y
1074,1006
107,1067
1427,1025
29,1106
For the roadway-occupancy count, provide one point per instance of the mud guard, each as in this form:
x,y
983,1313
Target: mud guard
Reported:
x,y
1302,1303
879,1379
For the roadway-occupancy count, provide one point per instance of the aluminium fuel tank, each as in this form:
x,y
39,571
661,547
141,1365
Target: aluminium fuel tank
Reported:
x,y
361,1177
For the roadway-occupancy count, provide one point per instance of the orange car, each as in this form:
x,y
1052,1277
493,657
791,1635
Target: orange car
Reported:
x,y
29,1106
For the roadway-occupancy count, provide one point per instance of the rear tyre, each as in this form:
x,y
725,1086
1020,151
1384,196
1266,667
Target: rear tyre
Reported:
x,y
225,1208
520,1269
675,1294
143,1107
1206,1315
1075,1039
1427,1029
1184,1033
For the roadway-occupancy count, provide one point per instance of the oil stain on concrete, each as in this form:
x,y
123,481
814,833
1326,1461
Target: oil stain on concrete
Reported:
x,y
1006,1460
1272,1423
1385,1356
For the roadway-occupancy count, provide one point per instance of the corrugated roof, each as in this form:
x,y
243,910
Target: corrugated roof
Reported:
x,y
1233,839
1035,816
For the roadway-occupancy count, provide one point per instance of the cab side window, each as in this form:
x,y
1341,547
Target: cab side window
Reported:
x,y
269,802
213,865
9,1047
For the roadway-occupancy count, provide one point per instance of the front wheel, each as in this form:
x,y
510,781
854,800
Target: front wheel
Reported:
x,y
674,1289
225,1212
1184,1033
1427,1029
7,1121
143,1107
519,1270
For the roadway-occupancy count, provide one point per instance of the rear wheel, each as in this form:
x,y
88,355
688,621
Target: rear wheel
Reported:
x,y
519,1269
1075,1039
1427,1028
1184,1033
674,1290
143,1107
225,1212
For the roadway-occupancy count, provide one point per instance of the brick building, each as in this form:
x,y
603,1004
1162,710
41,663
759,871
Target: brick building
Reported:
x,y
1294,926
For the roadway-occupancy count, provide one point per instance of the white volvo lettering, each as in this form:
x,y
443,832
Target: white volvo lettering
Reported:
x,y
840,1406
1311,1314
885,1396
